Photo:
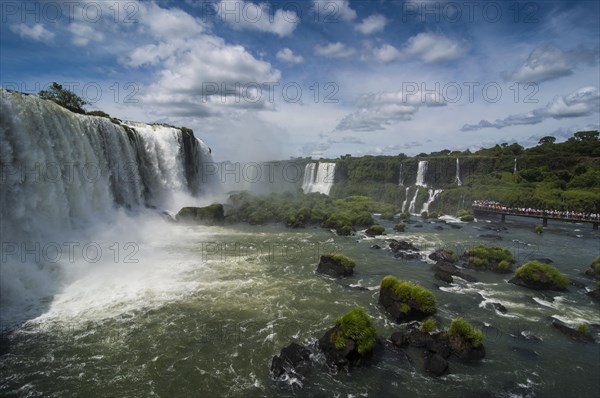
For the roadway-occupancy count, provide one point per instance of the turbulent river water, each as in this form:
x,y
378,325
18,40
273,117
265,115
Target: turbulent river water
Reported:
x,y
197,311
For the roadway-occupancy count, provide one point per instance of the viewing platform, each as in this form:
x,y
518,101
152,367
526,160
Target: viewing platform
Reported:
x,y
545,215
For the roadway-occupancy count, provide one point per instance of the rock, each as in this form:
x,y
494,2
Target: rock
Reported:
x,y
444,268
418,225
577,284
292,363
439,227
389,300
495,228
346,357
396,246
444,255
435,364
335,265
573,334
464,350
454,226
375,230
595,294
491,236
499,307
592,272
407,255
443,276
540,284
399,339
209,215
544,260
377,247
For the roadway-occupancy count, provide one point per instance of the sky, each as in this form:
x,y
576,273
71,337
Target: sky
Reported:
x,y
271,80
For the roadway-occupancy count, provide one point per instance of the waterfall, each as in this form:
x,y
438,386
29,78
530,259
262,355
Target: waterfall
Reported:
x,y
458,181
61,171
318,177
433,194
411,207
422,170
400,179
405,199
515,168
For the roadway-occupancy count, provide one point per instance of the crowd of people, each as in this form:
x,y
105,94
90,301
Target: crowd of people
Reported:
x,y
528,211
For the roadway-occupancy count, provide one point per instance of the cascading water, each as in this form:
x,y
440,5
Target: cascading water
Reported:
x,y
63,174
421,171
458,180
318,177
401,177
433,194
515,168
405,199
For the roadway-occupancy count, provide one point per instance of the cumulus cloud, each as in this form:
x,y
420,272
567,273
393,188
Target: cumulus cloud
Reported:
x,y
378,111
384,54
251,16
582,102
549,62
35,32
83,34
372,24
334,50
334,10
287,55
433,48
168,23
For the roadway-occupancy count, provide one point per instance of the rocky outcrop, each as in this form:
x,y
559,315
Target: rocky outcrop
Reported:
x,y
446,255
445,271
292,364
396,246
209,215
375,230
406,301
573,334
539,276
336,265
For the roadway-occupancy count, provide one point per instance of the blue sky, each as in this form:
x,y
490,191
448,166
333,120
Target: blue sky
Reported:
x,y
272,80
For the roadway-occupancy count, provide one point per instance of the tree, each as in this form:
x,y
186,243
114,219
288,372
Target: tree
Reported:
x,y
586,135
64,98
547,140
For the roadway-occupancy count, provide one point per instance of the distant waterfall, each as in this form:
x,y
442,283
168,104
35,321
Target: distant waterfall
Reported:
x,y
515,168
405,199
458,181
401,178
421,171
433,194
318,177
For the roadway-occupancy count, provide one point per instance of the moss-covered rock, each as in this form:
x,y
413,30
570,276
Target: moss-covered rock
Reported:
x,y
489,258
375,230
539,276
446,255
465,340
594,271
351,341
336,265
209,215
574,334
400,227
406,301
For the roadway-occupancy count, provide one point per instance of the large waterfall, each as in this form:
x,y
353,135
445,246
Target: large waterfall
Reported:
x,y
68,179
318,177
420,182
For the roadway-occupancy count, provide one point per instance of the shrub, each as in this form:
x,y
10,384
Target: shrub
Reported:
x,y
462,213
405,216
400,227
467,331
63,97
478,261
504,265
411,293
388,215
539,229
467,218
425,215
534,270
344,261
492,254
583,328
428,326
434,214
596,264
355,325
375,230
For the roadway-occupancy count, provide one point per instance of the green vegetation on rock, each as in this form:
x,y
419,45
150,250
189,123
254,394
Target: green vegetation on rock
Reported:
x,y
467,331
411,295
63,97
537,271
428,325
375,230
355,325
483,256
342,260
400,227
539,229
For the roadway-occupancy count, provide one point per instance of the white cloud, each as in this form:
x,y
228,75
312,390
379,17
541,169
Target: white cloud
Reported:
x,y
334,50
377,111
346,140
287,55
247,15
433,48
83,34
334,10
165,24
372,24
386,53
582,102
548,63
35,32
